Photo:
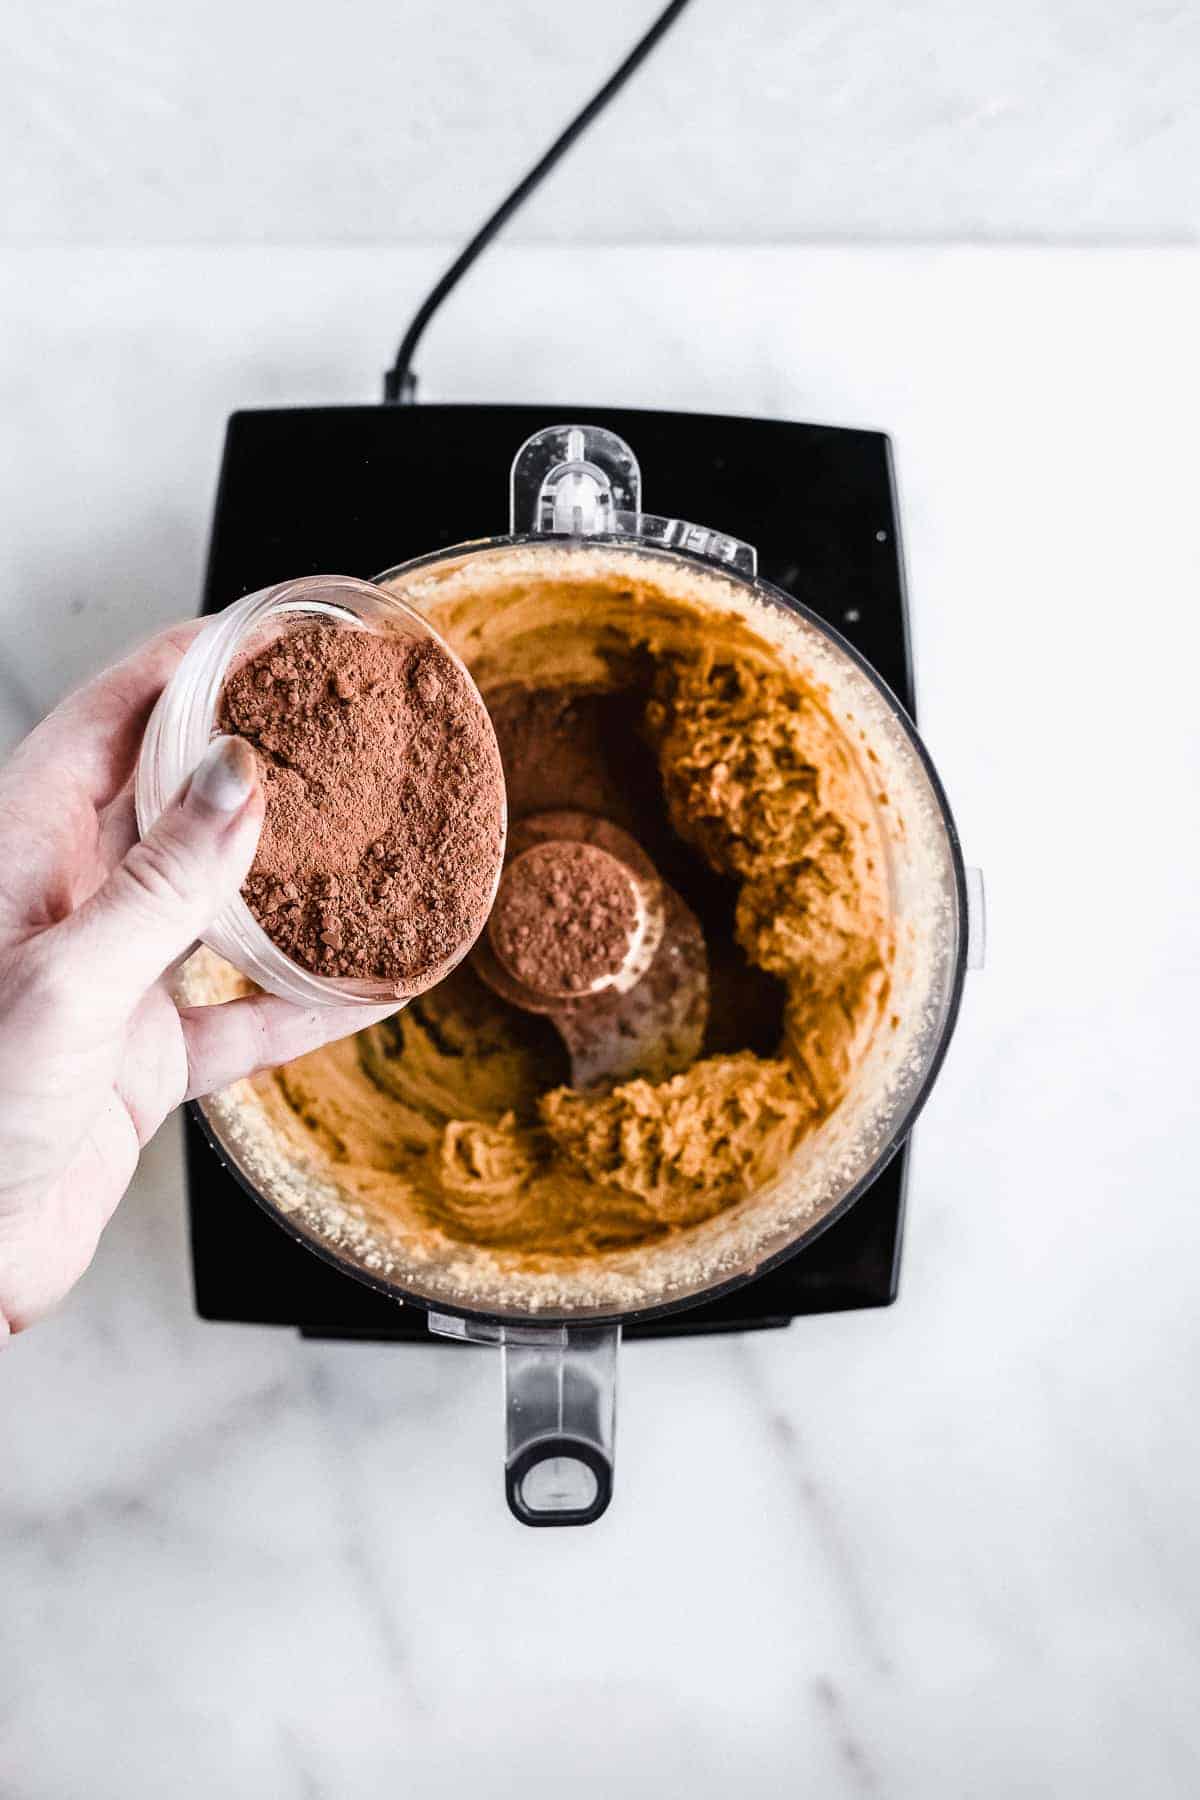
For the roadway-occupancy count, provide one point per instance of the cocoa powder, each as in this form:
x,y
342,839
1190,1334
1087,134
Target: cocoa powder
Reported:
x,y
564,918
384,824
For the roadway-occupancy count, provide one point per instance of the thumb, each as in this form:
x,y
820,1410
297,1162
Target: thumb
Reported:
x,y
192,861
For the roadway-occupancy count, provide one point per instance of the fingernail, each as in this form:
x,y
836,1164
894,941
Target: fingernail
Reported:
x,y
225,779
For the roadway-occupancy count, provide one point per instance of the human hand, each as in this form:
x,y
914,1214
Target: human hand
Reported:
x,y
93,1051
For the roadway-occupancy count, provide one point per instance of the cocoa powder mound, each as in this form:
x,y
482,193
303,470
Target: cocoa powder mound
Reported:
x,y
384,825
564,917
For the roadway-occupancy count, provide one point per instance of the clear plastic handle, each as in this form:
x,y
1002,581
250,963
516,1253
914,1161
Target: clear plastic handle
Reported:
x,y
582,481
560,1411
560,1390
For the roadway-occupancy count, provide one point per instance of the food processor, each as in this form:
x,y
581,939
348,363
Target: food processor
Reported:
x,y
576,509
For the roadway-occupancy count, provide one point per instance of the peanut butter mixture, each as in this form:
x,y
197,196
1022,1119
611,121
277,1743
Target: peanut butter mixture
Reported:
x,y
454,1119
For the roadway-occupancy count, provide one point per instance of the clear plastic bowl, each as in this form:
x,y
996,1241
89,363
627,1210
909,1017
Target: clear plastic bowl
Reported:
x,y
184,723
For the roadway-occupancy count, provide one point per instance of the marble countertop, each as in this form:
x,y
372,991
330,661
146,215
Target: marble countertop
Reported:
x,y
947,1549
761,122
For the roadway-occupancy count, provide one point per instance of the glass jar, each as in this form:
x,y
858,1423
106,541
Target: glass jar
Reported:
x,y
184,723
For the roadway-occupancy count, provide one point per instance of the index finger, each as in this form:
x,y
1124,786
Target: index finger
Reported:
x,y
234,1038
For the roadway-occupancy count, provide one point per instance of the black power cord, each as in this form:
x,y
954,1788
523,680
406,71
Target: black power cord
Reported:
x,y
400,382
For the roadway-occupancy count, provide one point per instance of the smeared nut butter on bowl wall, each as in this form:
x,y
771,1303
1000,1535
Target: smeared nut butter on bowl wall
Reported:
x,y
494,1138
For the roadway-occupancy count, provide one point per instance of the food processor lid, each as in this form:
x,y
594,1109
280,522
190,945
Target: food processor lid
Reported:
x,y
581,481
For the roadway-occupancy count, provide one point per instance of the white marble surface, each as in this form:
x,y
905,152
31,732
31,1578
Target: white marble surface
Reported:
x,y
949,1549
244,121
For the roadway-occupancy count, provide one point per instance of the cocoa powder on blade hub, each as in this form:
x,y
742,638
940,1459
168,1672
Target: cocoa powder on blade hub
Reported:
x,y
384,826
564,918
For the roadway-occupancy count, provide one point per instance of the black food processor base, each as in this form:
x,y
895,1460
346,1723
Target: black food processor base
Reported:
x,y
357,489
